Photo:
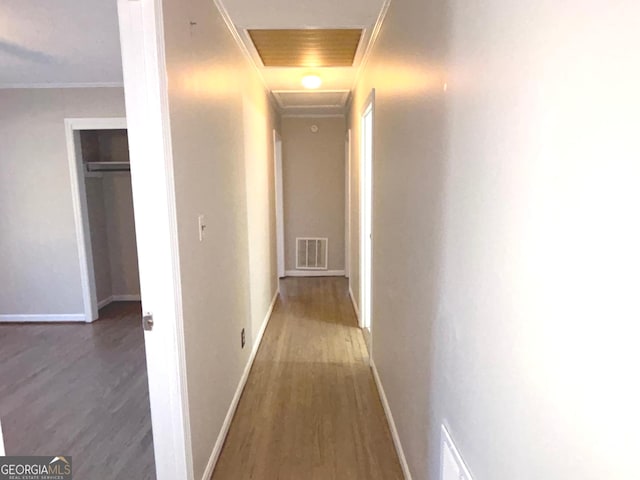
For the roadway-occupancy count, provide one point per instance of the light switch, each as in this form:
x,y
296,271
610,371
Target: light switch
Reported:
x,y
202,226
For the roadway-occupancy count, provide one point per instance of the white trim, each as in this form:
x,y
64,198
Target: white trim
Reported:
x,y
105,302
279,194
58,317
243,48
277,94
372,40
62,85
347,205
366,207
314,273
97,123
2,451
127,298
119,298
355,305
392,425
79,201
217,448
447,442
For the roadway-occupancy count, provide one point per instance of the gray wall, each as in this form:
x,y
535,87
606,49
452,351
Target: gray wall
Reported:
x,y
221,135
313,184
113,235
38,249
505,255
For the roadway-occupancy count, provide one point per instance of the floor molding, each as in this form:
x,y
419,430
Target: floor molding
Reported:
x,y
355,305
392,424
6,86
217,448
118,298
314,273
19,318
105,302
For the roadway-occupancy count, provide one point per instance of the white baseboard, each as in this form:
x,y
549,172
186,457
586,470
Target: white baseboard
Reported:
x,y
127,298
355,305
314,273
105,302
118,298
217,448
392,424
70,317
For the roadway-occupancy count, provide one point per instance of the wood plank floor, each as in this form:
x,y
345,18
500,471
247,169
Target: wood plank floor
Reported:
x,y
310,409
79,390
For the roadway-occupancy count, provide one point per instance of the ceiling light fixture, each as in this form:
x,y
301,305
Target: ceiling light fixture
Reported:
x,y
311,81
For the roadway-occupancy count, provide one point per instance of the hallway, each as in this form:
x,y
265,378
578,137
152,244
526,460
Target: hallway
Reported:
x,y
310,408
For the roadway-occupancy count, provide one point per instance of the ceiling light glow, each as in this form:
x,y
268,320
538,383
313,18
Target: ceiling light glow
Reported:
x,y
311,81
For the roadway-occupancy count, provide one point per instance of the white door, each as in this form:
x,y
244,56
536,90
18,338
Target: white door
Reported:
x,y
277,158
366,176
145,86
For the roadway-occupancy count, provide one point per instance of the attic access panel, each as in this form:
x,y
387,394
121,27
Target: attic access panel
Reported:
x,y
302,99
306,47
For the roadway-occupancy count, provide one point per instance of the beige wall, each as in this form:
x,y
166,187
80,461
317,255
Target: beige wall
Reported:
x,y
313,184
221,136
505,271
38,249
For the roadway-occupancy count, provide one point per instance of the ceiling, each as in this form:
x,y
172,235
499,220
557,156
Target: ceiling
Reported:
x,y
306,47
305,14
46,42
71,42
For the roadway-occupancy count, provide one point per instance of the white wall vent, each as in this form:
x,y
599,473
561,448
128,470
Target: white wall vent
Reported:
x,y
312,253
452,467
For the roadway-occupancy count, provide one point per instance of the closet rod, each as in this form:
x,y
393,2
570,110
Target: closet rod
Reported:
x,y
108,167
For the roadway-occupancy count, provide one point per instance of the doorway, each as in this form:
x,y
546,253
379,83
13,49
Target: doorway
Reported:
x,y
366,238
98,155
98,150
347,205
277,159
109,200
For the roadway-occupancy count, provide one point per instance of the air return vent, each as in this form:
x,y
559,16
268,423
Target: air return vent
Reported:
x,y
312,253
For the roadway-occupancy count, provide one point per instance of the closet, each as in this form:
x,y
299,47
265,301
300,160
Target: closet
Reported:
x,y
105,161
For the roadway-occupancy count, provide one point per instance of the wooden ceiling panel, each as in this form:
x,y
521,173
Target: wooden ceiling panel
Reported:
x,y
306,47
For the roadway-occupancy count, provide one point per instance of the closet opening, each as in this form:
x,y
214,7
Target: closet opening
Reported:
x,y
104,211
112,234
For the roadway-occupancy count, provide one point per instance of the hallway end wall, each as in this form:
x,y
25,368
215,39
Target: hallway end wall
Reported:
x,y
313,177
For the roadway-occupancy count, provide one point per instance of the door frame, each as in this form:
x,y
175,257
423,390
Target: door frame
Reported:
x,y
279,203
73,127
366,217
347,205
153,186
